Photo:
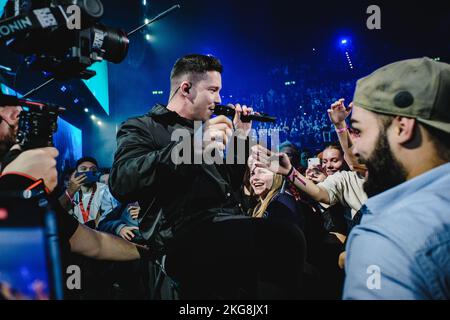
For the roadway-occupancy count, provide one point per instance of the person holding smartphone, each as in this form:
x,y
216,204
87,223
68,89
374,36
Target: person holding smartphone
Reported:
x,y
85,198
315,172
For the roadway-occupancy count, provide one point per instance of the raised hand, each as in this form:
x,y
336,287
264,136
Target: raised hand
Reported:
x,y
276,162
75,183
338,112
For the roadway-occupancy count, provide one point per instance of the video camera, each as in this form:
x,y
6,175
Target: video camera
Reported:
x,y
62,37
38,122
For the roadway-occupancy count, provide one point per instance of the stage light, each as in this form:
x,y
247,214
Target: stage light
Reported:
x,y
86,110
93,117
349,60
99,123
144,2
76,100
63,88
344,41
146,21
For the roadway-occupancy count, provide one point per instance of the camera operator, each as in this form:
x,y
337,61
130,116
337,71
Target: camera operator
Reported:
x,y
34,164
190,212
36,168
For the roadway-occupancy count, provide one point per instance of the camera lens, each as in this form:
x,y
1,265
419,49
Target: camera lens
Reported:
x,y
94,8
115,43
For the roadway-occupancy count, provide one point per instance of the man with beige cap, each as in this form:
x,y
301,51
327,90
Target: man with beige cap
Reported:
x,y
401,122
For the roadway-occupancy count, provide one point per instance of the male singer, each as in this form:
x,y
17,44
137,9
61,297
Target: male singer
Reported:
x,y
191,212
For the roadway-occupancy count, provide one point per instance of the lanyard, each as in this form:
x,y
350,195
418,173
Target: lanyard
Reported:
x,y
85,213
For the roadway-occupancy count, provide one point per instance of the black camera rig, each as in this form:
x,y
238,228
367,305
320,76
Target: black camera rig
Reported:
x,y
62,37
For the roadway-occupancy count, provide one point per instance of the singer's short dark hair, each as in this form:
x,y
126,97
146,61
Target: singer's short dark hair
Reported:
x,y
195,65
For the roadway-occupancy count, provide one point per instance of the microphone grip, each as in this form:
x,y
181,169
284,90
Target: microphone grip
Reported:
x,y
230,112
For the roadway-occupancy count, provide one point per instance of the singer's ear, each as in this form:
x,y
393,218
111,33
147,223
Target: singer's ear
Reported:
x,y
186,87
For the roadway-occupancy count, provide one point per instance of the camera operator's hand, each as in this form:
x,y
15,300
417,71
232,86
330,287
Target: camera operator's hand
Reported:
x,y
37,163
217,133
275,162
242,128
338,113
75,183
127,232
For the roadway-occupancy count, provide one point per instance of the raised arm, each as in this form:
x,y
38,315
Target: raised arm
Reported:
x,y
338,113
279,163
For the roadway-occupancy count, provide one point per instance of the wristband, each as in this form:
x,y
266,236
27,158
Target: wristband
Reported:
x,y
290,172
341,129
294,175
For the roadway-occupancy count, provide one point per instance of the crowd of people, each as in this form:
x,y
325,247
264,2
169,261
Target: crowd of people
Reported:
x,y
361,217
300,108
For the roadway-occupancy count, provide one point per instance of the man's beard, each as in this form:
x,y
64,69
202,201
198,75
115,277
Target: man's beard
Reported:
x,y
6,143
385,171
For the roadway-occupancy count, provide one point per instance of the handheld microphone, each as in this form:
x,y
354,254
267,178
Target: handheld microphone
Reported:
x,y
220,110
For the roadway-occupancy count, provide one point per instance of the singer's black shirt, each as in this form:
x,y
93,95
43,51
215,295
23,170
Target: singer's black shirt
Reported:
x,y
173,198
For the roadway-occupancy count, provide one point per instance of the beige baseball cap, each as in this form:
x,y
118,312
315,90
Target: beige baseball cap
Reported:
x,y
416,88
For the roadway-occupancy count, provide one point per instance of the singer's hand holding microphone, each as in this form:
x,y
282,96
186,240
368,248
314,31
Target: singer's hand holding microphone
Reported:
x,y
242,128
218,131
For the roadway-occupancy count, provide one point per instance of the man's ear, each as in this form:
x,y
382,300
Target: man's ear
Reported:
x,y
404,129
185,88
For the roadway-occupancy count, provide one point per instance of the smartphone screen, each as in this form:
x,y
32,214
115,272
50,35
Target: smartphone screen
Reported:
x,y
24,272
30,267
312,162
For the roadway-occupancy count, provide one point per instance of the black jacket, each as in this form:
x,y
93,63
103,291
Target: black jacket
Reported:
x,y
173,198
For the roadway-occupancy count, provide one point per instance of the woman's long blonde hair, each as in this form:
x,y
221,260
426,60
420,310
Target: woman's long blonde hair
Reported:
x,y
261,207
